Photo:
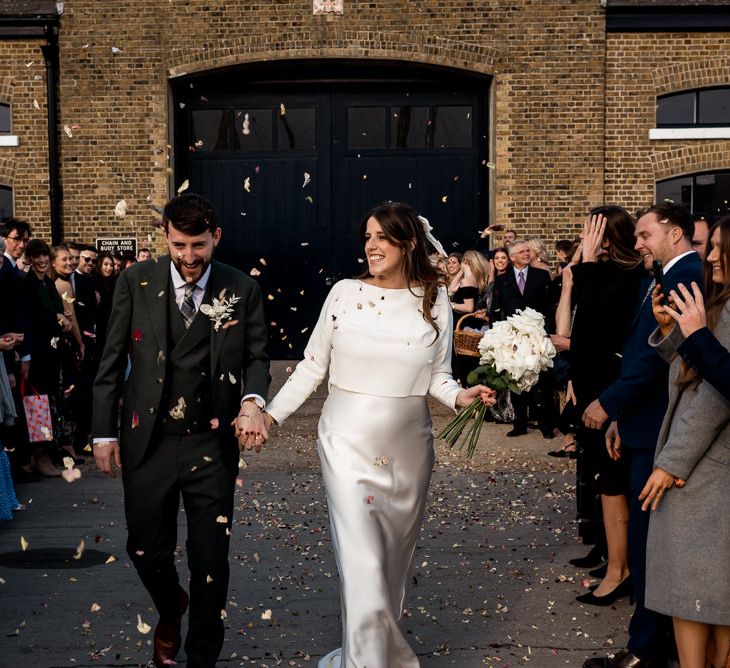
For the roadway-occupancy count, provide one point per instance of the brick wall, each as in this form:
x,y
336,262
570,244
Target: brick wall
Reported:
x,y
25,167
639,67
558,80
546,58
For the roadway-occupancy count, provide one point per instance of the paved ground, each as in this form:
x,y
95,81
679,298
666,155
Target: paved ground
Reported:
x,y
491,585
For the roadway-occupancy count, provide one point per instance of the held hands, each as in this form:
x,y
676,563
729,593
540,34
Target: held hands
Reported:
x,y
487,395
106,454
659,482
252,426
690,309
593,237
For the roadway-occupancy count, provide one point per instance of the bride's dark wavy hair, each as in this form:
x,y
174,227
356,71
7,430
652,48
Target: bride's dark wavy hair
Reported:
x,y
403,229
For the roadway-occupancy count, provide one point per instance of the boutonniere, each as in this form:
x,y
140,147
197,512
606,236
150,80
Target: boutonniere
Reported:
x,y
221,309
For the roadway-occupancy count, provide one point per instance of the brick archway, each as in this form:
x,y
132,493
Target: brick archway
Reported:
x,y
687,76
345,44
702,157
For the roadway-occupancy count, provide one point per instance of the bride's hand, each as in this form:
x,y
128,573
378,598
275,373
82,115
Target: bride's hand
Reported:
x,y
486,394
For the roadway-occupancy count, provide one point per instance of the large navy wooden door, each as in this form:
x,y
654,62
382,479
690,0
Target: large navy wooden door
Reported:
x,y
292,168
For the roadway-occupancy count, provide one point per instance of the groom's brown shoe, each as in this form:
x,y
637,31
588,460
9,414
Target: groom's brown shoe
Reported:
x,y
167,635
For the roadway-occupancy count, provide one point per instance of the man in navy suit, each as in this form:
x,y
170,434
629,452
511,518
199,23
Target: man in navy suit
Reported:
x,y
520,287
636,404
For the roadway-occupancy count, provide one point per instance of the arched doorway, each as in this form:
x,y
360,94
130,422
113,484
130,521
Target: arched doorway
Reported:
x,y
293,154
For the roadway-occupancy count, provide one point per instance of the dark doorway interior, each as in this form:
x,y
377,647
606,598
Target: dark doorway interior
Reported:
x,y
294,154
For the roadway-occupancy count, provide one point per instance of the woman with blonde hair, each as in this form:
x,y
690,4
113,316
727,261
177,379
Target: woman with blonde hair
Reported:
x,y
539,255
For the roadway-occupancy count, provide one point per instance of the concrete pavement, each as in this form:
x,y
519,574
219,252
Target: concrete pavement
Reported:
x,y
491,585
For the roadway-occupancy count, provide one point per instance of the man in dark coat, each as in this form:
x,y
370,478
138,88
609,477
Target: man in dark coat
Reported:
x,y
195,331
520,287
636,404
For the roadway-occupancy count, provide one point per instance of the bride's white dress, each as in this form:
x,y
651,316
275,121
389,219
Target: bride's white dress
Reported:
x,y
376,449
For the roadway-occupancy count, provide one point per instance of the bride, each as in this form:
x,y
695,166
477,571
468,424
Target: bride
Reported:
x,y
385,339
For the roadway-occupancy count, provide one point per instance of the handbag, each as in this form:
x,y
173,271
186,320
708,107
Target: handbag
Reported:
x,y
37,415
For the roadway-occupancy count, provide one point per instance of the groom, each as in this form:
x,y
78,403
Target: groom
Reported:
x,y
198,369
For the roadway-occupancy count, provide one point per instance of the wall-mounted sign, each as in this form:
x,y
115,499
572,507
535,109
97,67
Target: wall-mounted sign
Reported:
x,y
328,6
117,245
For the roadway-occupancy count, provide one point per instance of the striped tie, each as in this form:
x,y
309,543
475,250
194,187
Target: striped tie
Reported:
x,y
188,306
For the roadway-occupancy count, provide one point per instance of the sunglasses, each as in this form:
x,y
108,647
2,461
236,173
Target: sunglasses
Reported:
x,y
88,259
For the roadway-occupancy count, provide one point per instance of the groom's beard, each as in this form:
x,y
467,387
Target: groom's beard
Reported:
x,y
191,272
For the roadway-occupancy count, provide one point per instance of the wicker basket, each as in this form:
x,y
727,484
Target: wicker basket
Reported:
x,y
467,343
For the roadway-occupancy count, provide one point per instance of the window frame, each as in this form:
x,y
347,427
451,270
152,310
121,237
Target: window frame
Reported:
x,y
694,176
696,92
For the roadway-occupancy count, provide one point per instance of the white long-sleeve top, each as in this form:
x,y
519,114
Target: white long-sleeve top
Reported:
x,y
374,341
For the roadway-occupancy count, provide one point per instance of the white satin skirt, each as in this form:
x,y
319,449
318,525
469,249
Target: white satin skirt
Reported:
x,y
377,457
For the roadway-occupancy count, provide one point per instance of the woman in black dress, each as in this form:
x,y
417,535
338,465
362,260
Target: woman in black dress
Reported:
x,y
604,282
48,325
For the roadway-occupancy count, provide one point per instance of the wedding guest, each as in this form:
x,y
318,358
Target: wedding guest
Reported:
x,y
689,540
144,254
106,281
453,269
118,262
499,265
48,325
606,280
521,287
71,351
701,235
8,499
539,255
375,439
636,403
15,317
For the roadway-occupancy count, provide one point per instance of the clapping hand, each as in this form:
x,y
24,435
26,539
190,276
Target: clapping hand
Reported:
x,y
690,313
593,237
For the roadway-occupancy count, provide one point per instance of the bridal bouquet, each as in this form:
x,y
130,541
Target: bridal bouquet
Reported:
x,y
513,353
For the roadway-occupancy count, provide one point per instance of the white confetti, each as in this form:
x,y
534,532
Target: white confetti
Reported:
x,y
54,342
116,50
120,210
183,186
232,378
282,109
23,544
36,105
307,179
247,184
68,131
266,614
142,627
246,129
79,550
255,272
95,607
221,519
177,412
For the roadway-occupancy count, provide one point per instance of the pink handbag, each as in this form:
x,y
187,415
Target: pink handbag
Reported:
x,y
38,416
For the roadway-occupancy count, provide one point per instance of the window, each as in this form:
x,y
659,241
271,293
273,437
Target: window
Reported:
x,y
254,130
210,130
5,120
698,108
407,127
297,130
6,202
701,193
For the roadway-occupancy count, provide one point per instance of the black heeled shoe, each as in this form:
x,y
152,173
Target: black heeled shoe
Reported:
x,y
572,454
593,558
599,572
624,588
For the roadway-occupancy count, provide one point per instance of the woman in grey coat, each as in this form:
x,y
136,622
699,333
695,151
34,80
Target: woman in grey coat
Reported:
x,y
689,533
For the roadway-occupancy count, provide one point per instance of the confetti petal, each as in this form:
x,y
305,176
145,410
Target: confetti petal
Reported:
x,y
247,184
95,607
183,186
120,210
80,550
266,614
23,544
177,412
221,519
142,627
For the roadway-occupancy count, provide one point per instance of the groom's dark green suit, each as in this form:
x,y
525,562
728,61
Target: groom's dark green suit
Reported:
x,y
182,381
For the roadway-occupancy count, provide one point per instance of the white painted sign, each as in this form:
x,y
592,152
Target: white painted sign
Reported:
x,y
328,6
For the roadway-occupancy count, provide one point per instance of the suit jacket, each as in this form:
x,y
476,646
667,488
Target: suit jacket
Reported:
x,y
638,399
139,324
506,299
14,313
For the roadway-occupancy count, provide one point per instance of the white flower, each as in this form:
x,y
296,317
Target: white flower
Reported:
x,y
221,309
519,347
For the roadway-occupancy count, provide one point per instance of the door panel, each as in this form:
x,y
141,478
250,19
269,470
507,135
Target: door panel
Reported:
x,y
292,169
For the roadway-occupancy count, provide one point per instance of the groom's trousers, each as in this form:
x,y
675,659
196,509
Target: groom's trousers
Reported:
x,y
200,468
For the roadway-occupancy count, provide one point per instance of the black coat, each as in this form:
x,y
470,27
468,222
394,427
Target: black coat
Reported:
x,y
139,322
14,312
85,306
507,298
604,298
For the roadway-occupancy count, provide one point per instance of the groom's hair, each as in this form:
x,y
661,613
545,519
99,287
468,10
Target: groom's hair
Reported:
x,y
190,214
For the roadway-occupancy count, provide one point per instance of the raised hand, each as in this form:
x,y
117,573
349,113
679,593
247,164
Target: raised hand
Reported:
x,y
593,237
690,313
